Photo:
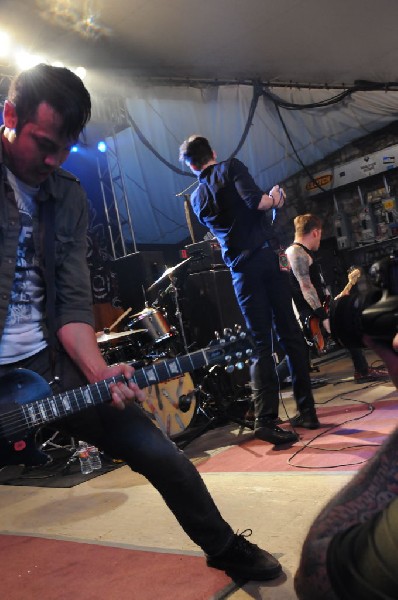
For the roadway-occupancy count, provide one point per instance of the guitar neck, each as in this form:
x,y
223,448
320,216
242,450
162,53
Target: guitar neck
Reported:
x,y
346,289
67,403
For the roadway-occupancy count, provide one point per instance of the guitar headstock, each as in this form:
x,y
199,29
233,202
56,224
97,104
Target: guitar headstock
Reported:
x,y
232,349
353,275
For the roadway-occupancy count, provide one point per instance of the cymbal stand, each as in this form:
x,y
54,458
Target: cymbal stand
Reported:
x,y
174,291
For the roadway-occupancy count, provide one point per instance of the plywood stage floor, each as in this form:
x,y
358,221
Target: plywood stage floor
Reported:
x,y
112,537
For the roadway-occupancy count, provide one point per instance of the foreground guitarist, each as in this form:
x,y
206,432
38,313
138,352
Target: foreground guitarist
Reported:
x,y
310,293
46,322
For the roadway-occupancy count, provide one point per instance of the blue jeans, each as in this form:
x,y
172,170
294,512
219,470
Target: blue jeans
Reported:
x,y
263,293
130,435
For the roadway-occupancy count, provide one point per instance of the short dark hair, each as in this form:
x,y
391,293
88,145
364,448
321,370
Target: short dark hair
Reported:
x,y
57,86
304,224
196,150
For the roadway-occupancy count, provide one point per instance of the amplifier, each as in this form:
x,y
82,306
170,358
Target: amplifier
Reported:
x,y
204,256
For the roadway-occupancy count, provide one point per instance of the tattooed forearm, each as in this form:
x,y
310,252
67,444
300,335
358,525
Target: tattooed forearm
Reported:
x,y
300,265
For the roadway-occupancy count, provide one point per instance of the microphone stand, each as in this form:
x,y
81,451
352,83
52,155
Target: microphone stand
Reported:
x,y
174,291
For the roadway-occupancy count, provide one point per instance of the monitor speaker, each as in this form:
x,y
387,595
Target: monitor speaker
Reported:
x,y
135,273
210,305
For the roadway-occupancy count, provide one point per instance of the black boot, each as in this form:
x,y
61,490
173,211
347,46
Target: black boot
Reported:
x,y
268,431
306,419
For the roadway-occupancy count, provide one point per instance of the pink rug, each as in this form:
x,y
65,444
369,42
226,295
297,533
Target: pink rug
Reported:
x,y
335,446
38,569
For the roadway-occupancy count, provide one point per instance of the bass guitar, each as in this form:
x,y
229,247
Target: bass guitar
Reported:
x,y
313,331
26,402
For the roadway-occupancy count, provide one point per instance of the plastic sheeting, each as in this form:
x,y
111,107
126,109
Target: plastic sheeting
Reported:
x,y
165,116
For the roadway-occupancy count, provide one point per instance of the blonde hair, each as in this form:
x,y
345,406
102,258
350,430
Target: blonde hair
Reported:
x,y
304,224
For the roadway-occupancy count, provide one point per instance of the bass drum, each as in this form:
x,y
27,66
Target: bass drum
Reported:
x,y
171,404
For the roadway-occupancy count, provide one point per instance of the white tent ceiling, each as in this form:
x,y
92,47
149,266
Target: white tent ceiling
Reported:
x,y
161,54
307,41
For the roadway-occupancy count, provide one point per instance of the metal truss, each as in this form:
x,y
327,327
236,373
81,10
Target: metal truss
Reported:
x,y
113,185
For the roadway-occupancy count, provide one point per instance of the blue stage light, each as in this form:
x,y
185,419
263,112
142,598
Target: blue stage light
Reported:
x,y
101,146
74,149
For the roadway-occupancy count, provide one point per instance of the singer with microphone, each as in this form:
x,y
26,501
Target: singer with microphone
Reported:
x,y
242,217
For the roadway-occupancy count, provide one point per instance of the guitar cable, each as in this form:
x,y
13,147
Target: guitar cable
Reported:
x,y
304,445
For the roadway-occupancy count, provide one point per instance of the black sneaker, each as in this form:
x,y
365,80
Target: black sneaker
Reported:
x,y
246,560
268,431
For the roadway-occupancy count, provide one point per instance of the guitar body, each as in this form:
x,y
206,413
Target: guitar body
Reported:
x,y
314,334
26,401
18,388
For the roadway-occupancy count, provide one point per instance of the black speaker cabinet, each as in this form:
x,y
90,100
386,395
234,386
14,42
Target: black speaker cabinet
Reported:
x,y
210,305
135,274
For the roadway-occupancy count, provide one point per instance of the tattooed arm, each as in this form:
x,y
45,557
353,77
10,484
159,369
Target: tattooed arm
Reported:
x,y
300,262
373,490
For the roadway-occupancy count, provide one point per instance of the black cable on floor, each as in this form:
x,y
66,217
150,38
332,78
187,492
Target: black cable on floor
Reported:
x,y
307,444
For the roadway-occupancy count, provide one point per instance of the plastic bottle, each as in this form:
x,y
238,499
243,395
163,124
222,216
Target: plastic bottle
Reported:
x,y
95,457
84,458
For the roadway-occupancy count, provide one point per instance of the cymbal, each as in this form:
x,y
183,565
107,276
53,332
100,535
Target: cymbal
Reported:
x,y
103,337
167,273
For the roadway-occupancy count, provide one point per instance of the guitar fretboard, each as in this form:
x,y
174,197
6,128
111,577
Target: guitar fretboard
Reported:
x,y
67,403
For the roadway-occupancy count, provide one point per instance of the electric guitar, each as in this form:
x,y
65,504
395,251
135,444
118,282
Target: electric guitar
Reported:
x,y
26,402
313,331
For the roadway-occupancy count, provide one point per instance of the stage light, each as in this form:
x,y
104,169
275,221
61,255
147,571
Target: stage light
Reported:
x,y
81,72
101,146
74,149
5,43
25,60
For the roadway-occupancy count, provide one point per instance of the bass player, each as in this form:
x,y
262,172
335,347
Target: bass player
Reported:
x,y
310,293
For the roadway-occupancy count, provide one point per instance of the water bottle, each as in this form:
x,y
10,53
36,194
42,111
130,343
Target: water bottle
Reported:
x,y
95,457
84,458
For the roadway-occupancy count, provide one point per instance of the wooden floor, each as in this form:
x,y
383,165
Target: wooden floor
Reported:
x,y
121,509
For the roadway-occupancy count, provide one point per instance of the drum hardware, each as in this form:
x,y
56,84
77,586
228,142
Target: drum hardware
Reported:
x,y
123,316
104,337
219,401
167,274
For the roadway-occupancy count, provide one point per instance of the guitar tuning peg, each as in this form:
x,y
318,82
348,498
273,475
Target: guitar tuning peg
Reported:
x,y
237,328
240,365
217,335
230,368
227,331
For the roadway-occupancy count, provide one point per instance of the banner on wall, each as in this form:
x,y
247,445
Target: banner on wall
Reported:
x,y
355,170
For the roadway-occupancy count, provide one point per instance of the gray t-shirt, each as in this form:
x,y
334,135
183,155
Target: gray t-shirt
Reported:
x,y
23,334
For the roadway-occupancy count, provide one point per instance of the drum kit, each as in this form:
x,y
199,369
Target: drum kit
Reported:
x,y
148,338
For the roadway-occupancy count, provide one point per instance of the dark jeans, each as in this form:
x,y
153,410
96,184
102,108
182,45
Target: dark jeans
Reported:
x,y
359,360
357,356
131,436
264,294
